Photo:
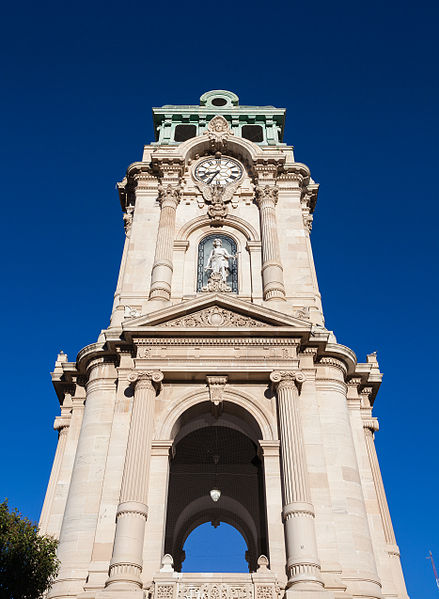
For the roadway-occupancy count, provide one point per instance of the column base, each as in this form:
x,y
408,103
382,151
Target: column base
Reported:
x,y
293,593
113,594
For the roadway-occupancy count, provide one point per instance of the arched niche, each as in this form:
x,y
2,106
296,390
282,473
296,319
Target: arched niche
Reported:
x,y
216,452
192,256
204,253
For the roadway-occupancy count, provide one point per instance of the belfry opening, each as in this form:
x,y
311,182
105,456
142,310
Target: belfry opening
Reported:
x,y
216,452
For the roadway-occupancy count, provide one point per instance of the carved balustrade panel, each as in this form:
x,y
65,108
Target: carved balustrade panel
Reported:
x,y
215,590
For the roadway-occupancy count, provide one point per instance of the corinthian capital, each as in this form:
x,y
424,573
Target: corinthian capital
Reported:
x,y
266,194
145,378
287,378
169,195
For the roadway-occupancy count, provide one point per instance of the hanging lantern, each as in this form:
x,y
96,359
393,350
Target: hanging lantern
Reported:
x,y
215,494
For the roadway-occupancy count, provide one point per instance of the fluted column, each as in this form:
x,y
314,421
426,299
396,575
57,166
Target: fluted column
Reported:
x,y
162,268
303,565
272,271
61,424
370,425
82,507
132,511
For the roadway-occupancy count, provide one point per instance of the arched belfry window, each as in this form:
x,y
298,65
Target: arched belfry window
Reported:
x,y
212,260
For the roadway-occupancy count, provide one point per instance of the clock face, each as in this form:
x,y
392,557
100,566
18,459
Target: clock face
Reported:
x,y
218,171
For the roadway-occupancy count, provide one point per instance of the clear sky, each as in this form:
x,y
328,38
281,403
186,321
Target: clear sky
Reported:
x,y
359,81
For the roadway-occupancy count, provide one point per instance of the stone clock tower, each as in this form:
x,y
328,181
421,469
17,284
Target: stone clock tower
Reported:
x,y
217,394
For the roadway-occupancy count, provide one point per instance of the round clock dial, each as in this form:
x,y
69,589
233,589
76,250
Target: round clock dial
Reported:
x,y
218,171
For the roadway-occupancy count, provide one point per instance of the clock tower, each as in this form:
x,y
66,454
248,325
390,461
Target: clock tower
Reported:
x,y
216,394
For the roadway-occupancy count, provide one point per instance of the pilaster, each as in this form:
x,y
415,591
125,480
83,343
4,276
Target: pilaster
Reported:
x,y
370,426
61,424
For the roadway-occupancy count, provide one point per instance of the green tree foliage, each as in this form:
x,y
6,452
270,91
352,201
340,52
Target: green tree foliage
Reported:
x,y
28,562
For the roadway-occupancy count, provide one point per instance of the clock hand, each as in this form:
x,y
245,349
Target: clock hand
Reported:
x,y
212,177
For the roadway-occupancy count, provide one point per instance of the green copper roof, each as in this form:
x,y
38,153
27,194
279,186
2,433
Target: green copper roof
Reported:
x,y
262,124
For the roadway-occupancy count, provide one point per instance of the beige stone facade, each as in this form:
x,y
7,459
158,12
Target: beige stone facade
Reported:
x,y
217,331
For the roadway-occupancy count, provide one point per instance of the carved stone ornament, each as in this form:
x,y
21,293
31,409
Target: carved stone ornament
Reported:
x,y
218,131
216,283
131,312
266,193
128,220
145,376
169,195
216,386
289,377
167,563
215,591
302,313
218,197
214,317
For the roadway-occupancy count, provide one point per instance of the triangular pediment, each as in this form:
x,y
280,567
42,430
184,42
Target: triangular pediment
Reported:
x,y
215,311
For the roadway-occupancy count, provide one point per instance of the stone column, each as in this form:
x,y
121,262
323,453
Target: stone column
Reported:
x,y
303,566
61,424
161,276
132,512
370,426
82,507
272,271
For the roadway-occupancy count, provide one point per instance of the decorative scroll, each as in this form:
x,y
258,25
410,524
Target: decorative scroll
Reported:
x,y
214,317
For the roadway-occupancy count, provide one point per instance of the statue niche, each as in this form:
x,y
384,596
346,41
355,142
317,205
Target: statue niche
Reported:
x,y
217,265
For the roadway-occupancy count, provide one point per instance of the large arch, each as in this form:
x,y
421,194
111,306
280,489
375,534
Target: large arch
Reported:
x,y
212,450
250,412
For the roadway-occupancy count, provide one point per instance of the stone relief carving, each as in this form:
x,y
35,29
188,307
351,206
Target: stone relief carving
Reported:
x,y
169,195
131,312
216,386
218,131
302,313
218,196
128,220
214,591
265,591
164,591
266,193
214,317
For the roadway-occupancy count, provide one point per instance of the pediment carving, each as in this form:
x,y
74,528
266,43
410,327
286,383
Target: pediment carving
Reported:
x,y
214,317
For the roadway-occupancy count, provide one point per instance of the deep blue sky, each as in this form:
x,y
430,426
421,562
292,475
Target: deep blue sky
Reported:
x,y
359,81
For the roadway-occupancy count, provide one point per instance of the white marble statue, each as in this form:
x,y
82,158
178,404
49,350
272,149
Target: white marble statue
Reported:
x,y
218,261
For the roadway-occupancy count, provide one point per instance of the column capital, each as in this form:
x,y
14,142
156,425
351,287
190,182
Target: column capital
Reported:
x,y
287,378
145,379
169,195
266,194
370,425
62,423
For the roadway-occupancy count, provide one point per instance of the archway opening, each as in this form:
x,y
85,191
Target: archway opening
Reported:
x,y
216,452
215,547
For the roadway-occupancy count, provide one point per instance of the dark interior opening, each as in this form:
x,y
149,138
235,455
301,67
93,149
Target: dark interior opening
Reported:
x,y
184,132
223,458
219,102
252,133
